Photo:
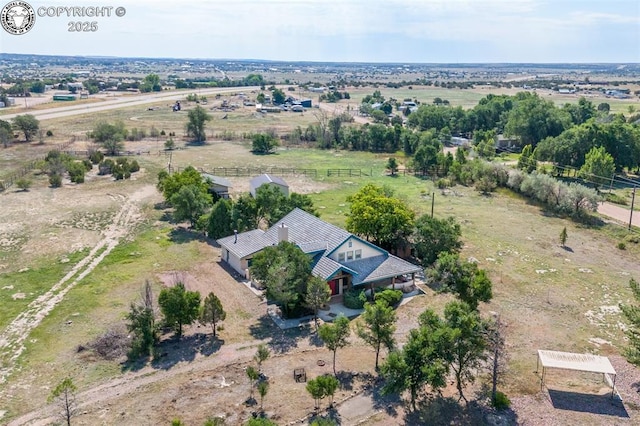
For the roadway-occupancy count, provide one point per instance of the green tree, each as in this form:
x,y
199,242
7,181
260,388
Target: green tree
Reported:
x,y
179,306
151,83
278,96
263,143
420,362
260,421
212,312
392,166
329,385
563,236
141,323
244,214
379,217
316,391
262,354
598,167
27,124
171,184
377,326
284,270
169,144
109,136
263,388
433,236
64,395
190,203
318,295
6,133
464,279
532,119
604,107
198,118
260,98
219,224
465,342
335,336
631,313
527,160
252,375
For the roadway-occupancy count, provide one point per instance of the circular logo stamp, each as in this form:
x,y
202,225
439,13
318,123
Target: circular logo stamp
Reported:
x,y
17,17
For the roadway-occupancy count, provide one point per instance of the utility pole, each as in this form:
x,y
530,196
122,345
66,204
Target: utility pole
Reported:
x,y
633,199
433,200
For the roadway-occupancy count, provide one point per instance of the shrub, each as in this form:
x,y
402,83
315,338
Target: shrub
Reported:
x,y
134,167
392,297
87,164
501,402
632,238
23,183
96,156
49,133
622,246
106,167
76,171
163,133
443,183
55,180
354,299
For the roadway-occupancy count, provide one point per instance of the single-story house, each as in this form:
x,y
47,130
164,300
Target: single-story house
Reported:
x,y
343,260
217,185
267,179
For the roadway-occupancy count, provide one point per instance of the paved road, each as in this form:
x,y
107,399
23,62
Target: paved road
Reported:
x,y
618,213
66,111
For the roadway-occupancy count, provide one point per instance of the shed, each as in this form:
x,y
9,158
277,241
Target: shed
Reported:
x,y
266,179
217,184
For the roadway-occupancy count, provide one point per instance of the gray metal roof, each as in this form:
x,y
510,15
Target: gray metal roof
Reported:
x,y
258,181
217,180
312,234
246,244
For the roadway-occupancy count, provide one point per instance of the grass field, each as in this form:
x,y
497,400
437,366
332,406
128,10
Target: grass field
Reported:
x,y
549,297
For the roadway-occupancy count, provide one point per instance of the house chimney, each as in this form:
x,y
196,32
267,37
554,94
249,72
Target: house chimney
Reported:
x,y
283,233
235,233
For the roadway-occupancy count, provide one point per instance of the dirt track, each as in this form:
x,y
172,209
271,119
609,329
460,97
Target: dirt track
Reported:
x,y
13,338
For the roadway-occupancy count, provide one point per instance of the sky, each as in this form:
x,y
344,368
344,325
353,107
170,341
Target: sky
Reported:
x,y
398,31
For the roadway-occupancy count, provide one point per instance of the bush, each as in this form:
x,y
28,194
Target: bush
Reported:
x,y
632,238
96,157
106,167
23,183
87,164
392,297
49,133
163,133
354,299
55,180
134,167
622,246
76,172
501,402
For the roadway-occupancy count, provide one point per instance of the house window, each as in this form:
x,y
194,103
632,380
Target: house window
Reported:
x,y
349,255
350,243
341,257
358,254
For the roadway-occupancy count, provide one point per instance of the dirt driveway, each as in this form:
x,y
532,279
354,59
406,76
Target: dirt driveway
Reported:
x,y
619,214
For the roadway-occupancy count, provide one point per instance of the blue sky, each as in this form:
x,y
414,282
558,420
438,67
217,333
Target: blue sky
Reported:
x,y
430,31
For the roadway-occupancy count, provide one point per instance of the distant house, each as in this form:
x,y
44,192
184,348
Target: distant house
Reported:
x,y
267,179
217,185
342,259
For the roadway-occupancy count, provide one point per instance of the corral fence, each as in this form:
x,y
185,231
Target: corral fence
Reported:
x,y
349,172
253,171
11,179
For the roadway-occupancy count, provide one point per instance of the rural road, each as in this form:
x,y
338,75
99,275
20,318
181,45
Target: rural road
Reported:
x,y
618,213
66,111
